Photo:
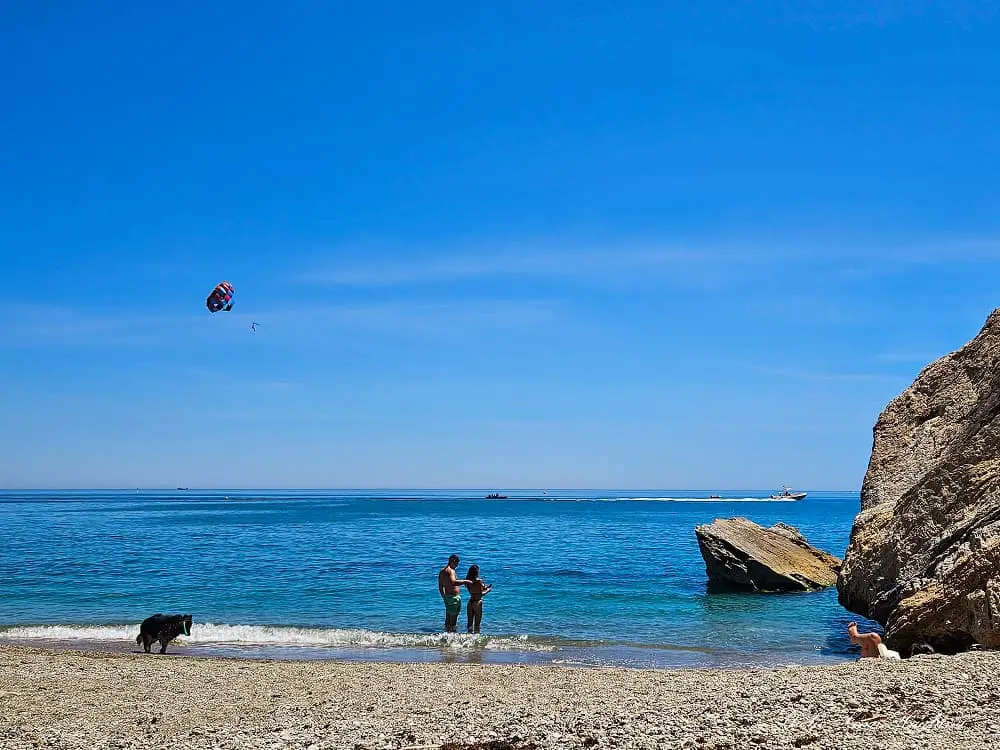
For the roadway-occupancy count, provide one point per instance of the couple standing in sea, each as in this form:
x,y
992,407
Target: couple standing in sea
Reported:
x,y
450,588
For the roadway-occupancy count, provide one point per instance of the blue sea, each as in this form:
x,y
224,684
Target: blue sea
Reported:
x,y
580,577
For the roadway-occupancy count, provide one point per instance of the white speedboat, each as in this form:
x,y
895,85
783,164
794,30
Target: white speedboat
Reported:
x,y
787,494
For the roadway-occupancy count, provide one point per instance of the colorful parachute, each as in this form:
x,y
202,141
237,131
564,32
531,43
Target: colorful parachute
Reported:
x,y
221,298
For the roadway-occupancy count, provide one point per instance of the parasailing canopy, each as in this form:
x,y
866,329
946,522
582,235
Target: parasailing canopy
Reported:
x,y
221,298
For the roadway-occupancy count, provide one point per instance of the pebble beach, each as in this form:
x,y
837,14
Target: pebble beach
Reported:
x,y
77,699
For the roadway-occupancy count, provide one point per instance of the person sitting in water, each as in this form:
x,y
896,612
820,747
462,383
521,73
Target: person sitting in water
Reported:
x,y
871,644
478,588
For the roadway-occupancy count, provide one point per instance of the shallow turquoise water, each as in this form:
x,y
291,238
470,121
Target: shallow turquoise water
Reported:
x,y
591,577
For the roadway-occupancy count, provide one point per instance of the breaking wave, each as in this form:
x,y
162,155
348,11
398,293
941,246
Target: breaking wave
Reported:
x,y
210,634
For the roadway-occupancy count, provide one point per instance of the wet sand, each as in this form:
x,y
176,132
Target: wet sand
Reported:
x,y
72,699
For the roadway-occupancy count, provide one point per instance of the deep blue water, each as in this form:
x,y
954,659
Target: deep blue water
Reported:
x,y
592,577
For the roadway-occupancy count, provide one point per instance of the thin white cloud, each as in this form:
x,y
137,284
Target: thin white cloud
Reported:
x,y
45,326
504,261
887,13
223,375
421,318
909,357
683,263
961,249
31,325
819,375
805,264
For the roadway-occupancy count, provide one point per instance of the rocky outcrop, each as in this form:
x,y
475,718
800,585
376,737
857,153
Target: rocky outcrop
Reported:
x,y
924,556
743,555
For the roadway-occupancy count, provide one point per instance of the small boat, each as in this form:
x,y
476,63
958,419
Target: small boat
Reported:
x,y
715,497
183,489
787,494
496,496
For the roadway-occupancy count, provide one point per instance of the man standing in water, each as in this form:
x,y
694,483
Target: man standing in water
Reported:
x,y
450,587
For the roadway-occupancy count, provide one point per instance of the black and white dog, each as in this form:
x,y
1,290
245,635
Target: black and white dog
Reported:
x,y
162,628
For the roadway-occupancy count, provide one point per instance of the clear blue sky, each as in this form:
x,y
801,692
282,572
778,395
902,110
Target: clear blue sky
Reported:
x,y
488,244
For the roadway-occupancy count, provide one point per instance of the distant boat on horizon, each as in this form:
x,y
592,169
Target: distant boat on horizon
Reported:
x,y
183,489
787,494
496,496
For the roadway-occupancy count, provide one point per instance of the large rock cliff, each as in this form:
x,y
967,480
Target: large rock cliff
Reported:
x,y
743,555
924,556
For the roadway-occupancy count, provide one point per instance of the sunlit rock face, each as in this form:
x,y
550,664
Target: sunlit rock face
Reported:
x,y
924,556
742,555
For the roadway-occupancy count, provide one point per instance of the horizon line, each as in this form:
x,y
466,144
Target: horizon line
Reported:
x,y
401,488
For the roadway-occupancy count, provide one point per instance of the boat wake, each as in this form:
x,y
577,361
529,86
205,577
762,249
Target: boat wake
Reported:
x,y
705,499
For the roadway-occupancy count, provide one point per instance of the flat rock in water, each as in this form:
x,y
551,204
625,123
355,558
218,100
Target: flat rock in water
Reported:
x,y
924,557
744,555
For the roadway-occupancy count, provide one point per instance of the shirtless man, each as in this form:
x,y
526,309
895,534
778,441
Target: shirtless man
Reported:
x,y
450,587
869,642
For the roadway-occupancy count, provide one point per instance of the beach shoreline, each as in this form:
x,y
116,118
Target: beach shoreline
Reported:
x,y
76,699
458,648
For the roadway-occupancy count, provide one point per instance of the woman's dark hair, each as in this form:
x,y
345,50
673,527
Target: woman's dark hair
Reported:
x,y
473,573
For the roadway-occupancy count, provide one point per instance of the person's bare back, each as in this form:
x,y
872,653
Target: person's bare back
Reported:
x,y
869,642
478,589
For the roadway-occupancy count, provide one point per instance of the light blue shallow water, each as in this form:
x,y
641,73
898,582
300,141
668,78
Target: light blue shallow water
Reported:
x,y
581,577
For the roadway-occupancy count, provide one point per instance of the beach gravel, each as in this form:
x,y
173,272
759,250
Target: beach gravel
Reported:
x,y
69,699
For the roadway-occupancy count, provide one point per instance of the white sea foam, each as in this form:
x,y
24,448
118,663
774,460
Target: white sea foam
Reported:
x,y
706,499
71,632
211,634
731,500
